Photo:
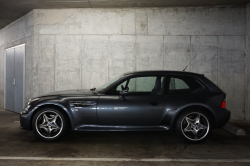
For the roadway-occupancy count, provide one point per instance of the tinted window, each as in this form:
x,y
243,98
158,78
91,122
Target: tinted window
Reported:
x,y
149,85
176,83
185,85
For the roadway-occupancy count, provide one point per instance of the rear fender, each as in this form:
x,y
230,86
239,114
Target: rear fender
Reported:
x,y
170,115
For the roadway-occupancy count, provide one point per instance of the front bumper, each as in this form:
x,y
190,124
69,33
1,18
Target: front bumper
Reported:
x,y
25,121
222,116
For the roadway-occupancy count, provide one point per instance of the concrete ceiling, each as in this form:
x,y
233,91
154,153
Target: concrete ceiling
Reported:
x,y
10,10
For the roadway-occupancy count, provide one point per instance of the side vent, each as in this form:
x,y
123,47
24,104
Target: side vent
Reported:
x,y
82,103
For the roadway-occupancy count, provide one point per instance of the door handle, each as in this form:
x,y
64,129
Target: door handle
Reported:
x,y
155,103
14,82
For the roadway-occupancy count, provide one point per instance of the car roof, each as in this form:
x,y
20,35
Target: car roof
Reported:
x,y
185,73
205,80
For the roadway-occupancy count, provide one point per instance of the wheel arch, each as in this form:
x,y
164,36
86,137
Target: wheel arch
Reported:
x,y
57,106
193,106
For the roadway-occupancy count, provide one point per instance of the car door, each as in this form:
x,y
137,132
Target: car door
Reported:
x,y
141,106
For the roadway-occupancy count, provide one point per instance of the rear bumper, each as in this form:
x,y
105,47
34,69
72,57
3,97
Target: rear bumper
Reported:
x,y
25,123
222,116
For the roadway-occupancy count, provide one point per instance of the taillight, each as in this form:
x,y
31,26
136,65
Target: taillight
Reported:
x,y
223,104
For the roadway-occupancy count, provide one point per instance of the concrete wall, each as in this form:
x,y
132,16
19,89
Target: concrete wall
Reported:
x,y
19,32
83,48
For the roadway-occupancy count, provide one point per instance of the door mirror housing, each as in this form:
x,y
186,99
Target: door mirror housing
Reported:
x,y
123,93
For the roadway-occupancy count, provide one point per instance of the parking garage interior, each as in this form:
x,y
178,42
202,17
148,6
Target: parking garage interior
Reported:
x,y
48,46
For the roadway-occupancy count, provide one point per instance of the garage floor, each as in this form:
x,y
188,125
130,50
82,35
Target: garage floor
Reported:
x,y
18,147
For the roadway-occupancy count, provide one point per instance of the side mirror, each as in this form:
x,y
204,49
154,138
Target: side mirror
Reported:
x,y
123,93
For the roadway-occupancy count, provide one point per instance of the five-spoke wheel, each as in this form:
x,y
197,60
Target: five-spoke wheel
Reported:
x,y
49,124
194,126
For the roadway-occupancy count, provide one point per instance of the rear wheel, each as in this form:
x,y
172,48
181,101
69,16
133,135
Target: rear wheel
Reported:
x,y
194,125
49,124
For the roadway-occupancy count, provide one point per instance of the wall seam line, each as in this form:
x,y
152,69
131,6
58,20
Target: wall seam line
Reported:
x,y
54,63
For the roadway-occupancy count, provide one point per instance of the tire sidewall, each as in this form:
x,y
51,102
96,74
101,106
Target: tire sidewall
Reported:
x,y
64,126
179,121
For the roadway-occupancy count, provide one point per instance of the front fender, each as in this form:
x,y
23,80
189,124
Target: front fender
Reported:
x,y
53,104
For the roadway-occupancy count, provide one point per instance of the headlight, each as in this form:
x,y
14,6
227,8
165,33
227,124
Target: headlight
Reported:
x,y
34,99
25,110
30,101
27,106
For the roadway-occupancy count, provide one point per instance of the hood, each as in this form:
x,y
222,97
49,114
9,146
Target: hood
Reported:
x,y
70,93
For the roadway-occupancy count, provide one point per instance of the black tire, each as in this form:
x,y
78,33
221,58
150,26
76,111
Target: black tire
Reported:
x,y
190,129
49,124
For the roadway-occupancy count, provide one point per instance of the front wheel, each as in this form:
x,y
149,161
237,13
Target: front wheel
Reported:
x,y
194,126
49,124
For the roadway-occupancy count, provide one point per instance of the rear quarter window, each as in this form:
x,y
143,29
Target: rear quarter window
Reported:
x,y
185,85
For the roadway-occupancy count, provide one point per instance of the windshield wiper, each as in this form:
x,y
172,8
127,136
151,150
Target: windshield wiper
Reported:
x,y
93,89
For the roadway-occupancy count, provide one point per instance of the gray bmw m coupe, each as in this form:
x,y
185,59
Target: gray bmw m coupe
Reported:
x,y
188,103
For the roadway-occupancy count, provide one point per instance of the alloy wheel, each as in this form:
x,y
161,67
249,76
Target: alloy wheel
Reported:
x,y
195,126
49,124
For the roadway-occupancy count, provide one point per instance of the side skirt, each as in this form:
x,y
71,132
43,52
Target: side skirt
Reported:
x,y
120,128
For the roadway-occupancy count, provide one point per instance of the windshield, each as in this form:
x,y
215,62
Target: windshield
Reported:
x,y
104,86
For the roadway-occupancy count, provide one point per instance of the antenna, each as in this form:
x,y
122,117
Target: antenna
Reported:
x,y
189,63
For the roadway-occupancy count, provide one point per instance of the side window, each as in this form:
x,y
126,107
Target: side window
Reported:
x,y
176,83
141,84
185,85
149,85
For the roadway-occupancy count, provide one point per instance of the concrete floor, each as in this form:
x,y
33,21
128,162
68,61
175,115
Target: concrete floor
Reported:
x,y
113,148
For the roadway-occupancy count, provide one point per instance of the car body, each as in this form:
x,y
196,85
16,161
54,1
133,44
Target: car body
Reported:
x,y
135,101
